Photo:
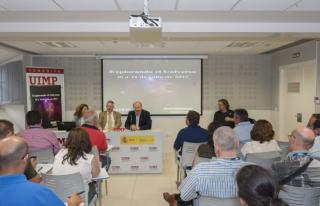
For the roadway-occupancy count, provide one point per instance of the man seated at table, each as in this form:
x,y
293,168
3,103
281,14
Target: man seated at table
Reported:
x,y
37,137
110,119
300,141
97,137
14,187
192,133
138,119
7,130
215,178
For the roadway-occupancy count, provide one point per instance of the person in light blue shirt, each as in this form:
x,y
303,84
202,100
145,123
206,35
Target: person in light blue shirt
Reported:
x,y
243,125
15,190
215,178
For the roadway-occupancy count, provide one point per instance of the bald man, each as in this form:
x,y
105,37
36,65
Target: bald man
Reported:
x,y
138,119
300,142
14,187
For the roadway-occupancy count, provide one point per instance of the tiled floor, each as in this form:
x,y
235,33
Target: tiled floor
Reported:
x,y
142,189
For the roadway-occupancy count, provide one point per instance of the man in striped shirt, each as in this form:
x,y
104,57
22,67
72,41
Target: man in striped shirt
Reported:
x,y
215,178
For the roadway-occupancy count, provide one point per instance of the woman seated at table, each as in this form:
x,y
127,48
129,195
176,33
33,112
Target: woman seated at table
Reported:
x,y
262,139
76,157
78,114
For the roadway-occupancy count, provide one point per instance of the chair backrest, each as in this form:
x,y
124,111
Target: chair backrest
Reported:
x,y
264,159
64,185
43,156
300,196
210,201
284,148
189,150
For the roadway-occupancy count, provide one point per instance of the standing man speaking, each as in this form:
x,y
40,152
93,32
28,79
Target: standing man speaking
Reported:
x,y
138,119
110,119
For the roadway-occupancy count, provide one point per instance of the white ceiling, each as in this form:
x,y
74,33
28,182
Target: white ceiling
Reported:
x,y
159,5
190,26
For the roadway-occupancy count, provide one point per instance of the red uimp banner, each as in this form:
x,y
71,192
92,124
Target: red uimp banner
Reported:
x,y
45,91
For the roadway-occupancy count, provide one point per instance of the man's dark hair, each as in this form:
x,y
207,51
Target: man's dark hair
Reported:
x,y
6,127
33,117
193,117
316,124
242,114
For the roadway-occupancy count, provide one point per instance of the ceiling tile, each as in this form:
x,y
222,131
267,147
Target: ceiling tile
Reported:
x,y
87,5
29,5
154,5
263,5
306,5
205,5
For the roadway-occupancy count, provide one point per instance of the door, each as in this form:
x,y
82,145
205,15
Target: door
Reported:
x,y
296,96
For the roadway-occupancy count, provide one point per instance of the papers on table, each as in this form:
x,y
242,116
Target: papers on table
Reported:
x,y
43,168
102,176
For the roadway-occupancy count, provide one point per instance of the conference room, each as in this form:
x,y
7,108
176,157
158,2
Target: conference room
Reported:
x,y
159,102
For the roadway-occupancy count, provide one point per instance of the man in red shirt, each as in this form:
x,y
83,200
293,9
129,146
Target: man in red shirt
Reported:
x,y
97,137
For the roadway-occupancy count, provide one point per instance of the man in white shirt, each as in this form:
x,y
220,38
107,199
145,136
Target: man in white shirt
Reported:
x,y
243,125
110,119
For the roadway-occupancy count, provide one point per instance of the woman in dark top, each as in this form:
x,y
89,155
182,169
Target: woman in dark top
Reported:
x,y
207,150
224,115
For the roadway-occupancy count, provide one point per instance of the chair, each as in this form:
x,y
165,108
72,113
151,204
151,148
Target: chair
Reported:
x,y
300,196
185,161
263,159
43,156
64,185
211,201
284,149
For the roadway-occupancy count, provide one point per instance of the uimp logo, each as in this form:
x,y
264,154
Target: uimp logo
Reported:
x,y
134,167
144,158
115,149
115,167
153,167
125,158
134,149
153,148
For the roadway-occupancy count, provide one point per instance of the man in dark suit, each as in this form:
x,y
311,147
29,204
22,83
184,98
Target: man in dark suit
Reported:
x,y
138,119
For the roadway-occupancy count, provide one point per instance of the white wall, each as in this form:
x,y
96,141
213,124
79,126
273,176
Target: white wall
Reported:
x,y
14,113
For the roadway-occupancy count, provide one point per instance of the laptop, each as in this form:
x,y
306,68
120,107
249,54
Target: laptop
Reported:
x,y
66,126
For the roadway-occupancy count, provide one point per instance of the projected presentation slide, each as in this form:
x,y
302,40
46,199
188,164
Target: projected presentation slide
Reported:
x,y
164,86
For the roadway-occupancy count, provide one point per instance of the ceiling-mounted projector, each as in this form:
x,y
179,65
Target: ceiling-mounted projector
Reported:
x,y
144,28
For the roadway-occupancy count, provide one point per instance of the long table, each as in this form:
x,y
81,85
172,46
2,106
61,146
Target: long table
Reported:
x,y
132,152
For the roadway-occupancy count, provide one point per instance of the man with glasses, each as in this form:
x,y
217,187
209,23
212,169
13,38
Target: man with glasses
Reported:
x,y
14,187
300,142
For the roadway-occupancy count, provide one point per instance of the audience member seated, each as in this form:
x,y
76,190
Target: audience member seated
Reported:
x,y
15,190
215,178
224,115
300,141
97,137
262,139
258,187
76,157
312,119
207,150
243,125
37,137
138,119
192,133
7,130
78,114
110,119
